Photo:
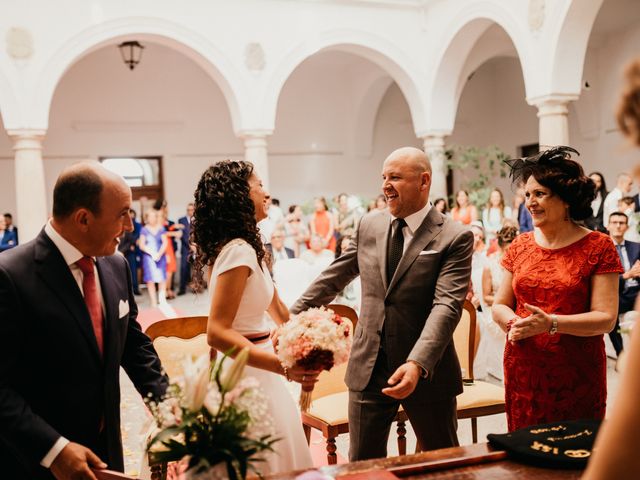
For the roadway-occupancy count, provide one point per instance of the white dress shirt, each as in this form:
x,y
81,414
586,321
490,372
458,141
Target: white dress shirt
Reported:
x,y
413,223
71,255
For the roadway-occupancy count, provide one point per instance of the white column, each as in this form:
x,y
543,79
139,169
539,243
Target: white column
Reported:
x,y
434,148
255,151
553,112
31,197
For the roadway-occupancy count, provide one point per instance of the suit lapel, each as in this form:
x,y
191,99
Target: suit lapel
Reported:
x,y
55,273
383,230
430,227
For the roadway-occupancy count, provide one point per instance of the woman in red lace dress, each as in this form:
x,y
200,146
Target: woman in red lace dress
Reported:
x,y
557,299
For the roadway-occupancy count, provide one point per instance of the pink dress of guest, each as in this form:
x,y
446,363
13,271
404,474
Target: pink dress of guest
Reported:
x,y
559,377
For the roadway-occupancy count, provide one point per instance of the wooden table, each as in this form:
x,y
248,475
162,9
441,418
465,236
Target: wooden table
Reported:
x,y
477,461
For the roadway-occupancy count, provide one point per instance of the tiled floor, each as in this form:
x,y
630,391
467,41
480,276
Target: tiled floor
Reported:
x,y
135,419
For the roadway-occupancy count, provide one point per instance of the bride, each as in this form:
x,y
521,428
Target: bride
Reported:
x,y
229,201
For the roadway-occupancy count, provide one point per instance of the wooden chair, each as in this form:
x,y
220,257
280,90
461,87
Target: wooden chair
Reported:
x,y
479,398
330,400
173,339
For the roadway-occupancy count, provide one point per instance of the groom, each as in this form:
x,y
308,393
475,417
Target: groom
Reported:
x,y
415,267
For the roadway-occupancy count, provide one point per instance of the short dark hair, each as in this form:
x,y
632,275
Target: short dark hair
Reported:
x,y
618,214
8,215
275,201
554,169
79,189
292,208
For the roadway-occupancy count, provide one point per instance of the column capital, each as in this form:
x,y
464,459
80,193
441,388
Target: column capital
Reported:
x,y
27,138
433,141
552,104
247,134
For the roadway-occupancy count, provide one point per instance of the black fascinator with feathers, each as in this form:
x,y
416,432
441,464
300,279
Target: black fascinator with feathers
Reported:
x,y
556,170
523,168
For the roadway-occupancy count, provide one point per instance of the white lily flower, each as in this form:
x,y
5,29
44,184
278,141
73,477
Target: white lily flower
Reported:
x,y
231,377
196,382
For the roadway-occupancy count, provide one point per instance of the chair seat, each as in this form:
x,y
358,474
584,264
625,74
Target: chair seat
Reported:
x,y
332,409
480,394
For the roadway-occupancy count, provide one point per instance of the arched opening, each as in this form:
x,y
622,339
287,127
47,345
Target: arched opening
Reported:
x,y
167,107
7,173
327,138
491,107
613,42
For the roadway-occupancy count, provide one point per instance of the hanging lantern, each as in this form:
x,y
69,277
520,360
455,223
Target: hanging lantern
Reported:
x,y
131,53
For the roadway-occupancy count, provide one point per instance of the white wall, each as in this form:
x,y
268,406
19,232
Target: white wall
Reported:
x,y
593,129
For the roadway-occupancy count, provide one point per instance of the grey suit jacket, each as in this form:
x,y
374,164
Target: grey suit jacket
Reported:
x,y
420,307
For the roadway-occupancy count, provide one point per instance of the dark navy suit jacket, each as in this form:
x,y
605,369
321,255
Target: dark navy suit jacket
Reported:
x,y
53,380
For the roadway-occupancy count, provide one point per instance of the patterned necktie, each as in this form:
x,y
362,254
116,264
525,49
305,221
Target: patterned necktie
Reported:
x,y
396,246
91,298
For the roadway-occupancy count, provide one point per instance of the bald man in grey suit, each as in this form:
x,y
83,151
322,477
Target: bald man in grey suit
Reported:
x,y
415,267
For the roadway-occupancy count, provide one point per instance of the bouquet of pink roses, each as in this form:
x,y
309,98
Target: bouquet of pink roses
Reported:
x,y
316,339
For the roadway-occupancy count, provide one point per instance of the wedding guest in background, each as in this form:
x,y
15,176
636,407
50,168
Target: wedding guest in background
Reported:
x,y
494,214
381,202
629,253
595,221
185,249
275,214
464,211
173,234
8,220
492,338
277,249
523,220
615,454
68,322
345,218
153,245
559,295
296,232
7,237
626,205
322,223
478,262
622,189
317,255
128,247
441,205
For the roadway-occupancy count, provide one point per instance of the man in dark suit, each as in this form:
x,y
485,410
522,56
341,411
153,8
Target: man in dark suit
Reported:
x,y
185,249
277,249
415,267
629,253
67,325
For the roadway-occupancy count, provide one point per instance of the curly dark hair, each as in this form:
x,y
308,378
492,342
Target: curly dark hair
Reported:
x,y
554,169
223,211
506,235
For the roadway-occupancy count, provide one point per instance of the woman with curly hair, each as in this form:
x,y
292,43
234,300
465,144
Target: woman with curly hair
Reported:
x,y
559,295
229,201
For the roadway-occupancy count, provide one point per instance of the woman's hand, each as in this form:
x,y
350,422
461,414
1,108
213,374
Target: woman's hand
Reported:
x,y
306,378
536,323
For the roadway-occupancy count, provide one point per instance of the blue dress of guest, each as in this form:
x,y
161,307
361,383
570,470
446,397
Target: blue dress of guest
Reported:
x,y
153,271
8,240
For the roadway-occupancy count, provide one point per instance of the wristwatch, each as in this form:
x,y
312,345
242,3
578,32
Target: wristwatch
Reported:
x,y
554,324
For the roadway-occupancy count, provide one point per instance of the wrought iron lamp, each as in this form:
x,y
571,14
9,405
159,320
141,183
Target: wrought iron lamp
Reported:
x,y
131,53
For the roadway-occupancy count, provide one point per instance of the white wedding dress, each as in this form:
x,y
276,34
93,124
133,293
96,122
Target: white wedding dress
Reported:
x,y
291,452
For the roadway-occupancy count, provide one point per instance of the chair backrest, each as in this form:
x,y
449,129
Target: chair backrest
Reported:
x,y
464,339
175,338
333,381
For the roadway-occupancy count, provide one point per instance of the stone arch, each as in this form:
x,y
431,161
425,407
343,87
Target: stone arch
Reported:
x,y
568,46
10,112
449,77
367,113
390,57
183,40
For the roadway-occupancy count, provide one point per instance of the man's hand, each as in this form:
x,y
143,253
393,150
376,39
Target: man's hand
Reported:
x,y
74,462
634,271
404,381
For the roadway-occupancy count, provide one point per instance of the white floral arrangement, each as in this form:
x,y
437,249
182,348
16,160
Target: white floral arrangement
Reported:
x,y
316,339
213,417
